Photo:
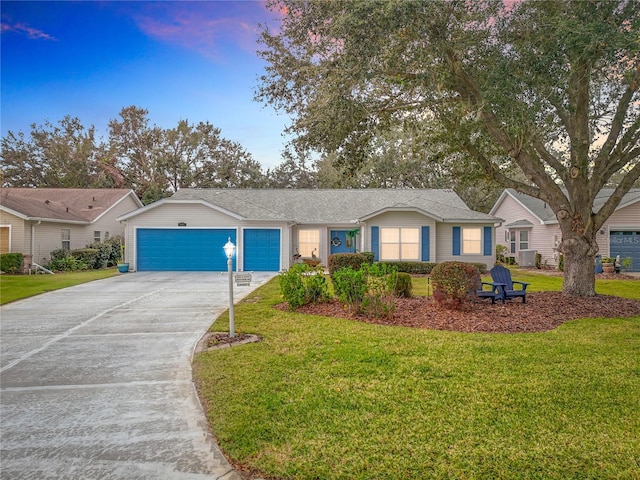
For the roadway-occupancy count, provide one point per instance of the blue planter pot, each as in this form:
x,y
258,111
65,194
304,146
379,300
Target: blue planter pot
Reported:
x,y
123,267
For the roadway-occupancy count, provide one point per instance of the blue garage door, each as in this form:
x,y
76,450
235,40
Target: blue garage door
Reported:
x,y
262,250
182,250
626,244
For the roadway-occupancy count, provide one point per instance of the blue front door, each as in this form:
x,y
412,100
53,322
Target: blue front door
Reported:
x,y
339,242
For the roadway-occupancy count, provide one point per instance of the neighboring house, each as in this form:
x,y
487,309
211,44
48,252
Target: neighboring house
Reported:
x,y
530,225
36,221
272,228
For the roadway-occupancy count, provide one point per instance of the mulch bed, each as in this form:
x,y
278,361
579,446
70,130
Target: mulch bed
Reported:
x,y
543,311
217,340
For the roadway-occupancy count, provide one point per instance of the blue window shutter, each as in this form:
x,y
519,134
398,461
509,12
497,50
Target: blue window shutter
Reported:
x,y
456,240
488,240
375,242
425,244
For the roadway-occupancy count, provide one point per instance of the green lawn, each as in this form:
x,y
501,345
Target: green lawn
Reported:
x,y
334,399
16,287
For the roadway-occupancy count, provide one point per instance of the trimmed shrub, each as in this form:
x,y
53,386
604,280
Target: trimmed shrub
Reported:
x,y
482,267
59,254
501,253
302,284
367,290
415,268
381,281
403,286
88,256
454,282
370,256
351,260
538,261
68,263
350,286
11,262
108,252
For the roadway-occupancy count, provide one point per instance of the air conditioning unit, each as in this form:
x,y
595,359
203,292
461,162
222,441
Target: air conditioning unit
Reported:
x,y
527,258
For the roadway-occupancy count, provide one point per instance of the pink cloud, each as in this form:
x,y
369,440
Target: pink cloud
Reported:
x,y
29,32
205,27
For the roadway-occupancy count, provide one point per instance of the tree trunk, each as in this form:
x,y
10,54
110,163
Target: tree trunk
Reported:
x,y
579,266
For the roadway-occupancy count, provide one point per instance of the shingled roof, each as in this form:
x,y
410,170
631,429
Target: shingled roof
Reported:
x,y
70,205
545,214
329,206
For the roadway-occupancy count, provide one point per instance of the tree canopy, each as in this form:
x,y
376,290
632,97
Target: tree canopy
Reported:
x,y
153,161
542,96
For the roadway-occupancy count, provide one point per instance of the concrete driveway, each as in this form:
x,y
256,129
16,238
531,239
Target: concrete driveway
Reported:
x,y
96,379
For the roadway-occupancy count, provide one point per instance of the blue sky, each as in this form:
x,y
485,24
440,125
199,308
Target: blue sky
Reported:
x,y
193,60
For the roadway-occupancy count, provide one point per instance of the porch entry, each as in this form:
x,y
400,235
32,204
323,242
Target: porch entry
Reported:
x,y
340,243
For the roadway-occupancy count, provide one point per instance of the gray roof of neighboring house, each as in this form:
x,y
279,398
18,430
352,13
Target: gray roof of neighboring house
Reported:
x,y
520,223
333,206
73,205
541,210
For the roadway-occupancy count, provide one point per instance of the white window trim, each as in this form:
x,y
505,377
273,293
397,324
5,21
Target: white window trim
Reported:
x,y
400,244
312,246
462,240
63,240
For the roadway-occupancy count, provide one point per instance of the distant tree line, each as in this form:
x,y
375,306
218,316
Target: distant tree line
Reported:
x,y
156,162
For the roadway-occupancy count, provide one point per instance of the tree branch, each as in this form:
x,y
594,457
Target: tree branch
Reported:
x,y
614,200
618,123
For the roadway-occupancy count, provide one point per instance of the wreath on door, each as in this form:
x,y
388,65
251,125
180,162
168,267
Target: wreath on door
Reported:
x,y
336,242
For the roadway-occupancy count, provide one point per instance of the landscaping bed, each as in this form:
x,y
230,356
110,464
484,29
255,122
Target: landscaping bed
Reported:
x,y
543,311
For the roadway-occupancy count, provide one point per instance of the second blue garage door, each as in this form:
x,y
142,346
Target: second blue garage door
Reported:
x,y
261,250
183,250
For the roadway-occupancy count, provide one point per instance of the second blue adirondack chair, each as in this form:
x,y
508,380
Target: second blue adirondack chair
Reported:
x,y
502,277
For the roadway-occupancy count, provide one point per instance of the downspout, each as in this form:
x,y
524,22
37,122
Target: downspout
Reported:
x,y
33,241
290,251
33,238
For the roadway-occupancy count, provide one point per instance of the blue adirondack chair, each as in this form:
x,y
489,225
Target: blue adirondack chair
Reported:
x,y
502,279
489,290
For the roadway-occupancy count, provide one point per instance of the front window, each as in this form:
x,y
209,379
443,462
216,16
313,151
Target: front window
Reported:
x,y
308,242
66,239
472,241
399,243
96,236
524,239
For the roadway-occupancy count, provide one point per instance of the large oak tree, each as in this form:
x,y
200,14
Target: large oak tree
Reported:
x,y
157,162
550,87
153,161
57,156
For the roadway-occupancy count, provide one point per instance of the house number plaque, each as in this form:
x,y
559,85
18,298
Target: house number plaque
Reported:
x,y
243,279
